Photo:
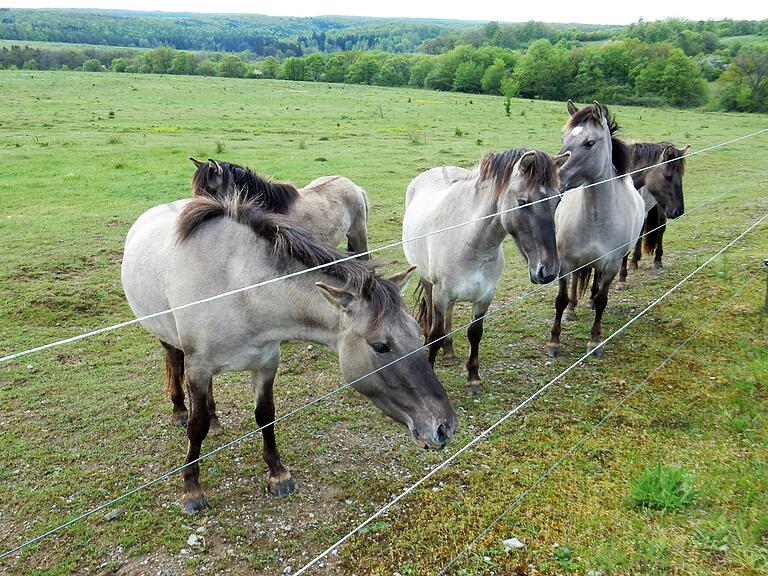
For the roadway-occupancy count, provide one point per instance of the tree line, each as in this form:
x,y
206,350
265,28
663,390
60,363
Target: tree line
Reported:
x,y
618,72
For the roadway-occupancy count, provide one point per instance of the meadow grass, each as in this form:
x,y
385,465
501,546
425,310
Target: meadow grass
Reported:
x,y
84,154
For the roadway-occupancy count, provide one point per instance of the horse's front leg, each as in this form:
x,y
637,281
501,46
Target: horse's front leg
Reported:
x,y
553,347
659,249
198,382
279,481
357,239
449,357
573,300
620,285
601,301
638,253
474,335
215,428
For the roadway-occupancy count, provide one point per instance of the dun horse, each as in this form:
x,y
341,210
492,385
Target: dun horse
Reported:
x,y
662,190
465,263
191,249
329,207
597,225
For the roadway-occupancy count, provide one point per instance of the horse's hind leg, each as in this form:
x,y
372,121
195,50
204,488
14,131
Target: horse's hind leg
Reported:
x,y
279,481
594,289
474,335
620,285
449,357
174,382
573,300
553,347
357,239
437,329
638,253
198,383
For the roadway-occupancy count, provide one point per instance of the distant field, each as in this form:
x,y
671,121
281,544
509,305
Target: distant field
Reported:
x,y
63,45
84,154
750,39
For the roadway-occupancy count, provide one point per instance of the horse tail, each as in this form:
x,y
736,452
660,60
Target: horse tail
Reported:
x,y
422,313
652,230
583,280
174,368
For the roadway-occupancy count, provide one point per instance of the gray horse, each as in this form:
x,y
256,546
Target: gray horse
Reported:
x,y
192,249
596,225
465,264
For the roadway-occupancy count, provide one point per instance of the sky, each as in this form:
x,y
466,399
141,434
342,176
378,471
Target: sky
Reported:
x,y
596,12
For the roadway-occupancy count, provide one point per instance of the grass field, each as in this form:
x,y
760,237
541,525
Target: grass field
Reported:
x,y
84,154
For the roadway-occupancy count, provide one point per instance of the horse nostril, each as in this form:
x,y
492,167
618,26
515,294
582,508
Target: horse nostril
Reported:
x,y
442,435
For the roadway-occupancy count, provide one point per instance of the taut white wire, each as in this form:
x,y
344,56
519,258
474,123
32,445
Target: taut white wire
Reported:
x,y
591,433
522,405
335,391
113,327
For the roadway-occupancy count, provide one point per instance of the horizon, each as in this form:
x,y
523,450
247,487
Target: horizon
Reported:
x,y
561,13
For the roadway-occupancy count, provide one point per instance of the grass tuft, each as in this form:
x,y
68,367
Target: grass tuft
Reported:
x,y
663,488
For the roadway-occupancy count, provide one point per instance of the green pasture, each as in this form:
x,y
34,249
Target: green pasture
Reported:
x,y
82,155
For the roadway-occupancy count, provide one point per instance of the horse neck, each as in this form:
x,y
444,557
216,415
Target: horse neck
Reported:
x,y
639,178
598,197
488,233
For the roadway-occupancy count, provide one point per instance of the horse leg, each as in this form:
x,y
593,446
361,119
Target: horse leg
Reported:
x,y
553,347
198,381
215,428
474,335
594,289
279,481
601,300
357,239
638,253
659,249
437,330
620,285
573,300
174,382
448,355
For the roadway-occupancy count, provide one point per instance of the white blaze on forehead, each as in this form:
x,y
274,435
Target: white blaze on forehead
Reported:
x,y
578,130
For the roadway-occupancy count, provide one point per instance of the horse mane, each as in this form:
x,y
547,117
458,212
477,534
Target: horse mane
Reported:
x,y
273,196
291,243
646,154
498,169
622,155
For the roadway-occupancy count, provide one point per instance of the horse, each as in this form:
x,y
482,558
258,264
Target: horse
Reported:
x,y
596,222
662,190
194,248
465,264
330,207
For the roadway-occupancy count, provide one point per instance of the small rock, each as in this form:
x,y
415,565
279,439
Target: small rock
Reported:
x,y
487,559
184,550
195,541
512,543
723,548
310,348
515,470
114,514
287,570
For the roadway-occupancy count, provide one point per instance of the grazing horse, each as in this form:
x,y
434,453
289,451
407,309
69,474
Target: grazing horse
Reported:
x,y
329,207
597,222
465,264
662,190
192,249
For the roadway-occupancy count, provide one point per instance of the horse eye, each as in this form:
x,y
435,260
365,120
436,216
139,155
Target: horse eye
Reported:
x,y
522,201
589,143
380,347
668,177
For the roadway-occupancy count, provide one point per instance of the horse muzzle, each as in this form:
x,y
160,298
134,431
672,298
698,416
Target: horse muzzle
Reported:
x,y
435,436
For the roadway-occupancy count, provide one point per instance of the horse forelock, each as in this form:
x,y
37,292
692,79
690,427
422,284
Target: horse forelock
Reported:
x,y
621,153
291,243
497,168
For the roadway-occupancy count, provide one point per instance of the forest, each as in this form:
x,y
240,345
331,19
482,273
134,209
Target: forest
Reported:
x,y
678,63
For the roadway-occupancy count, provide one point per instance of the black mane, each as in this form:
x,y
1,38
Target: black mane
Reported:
x,y
498,167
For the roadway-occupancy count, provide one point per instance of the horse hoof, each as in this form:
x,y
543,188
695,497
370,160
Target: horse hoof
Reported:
x,y
593,350
180,418
569,317
633,264
552,350
450,360
620,285
474,388
658,266
193,503
591,304
215,428
281,485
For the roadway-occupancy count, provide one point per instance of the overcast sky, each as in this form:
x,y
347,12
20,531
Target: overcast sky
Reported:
x,y
601,12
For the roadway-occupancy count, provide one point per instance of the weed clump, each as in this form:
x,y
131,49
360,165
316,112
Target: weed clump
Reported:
x,y
662,488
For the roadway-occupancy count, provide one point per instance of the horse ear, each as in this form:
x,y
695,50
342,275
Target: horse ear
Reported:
x,y
197,163
669,152
571,107
684,150
598,110
401,278
525,161
336,296
561,159
216,166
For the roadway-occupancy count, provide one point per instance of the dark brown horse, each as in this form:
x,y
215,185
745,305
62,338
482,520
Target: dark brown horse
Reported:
x,y
662,190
